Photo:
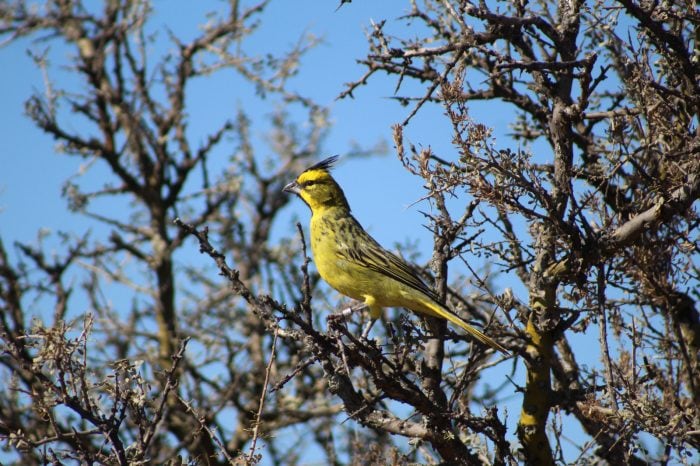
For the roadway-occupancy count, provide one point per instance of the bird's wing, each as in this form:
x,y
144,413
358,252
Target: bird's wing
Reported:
x,y
363,250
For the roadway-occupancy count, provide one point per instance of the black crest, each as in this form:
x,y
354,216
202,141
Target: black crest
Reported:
x,y
325,164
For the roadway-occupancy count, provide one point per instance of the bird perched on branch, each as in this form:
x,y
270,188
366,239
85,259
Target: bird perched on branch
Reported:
x,y
353,263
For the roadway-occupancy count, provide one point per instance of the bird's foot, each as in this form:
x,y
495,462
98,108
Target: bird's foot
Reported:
x,y
347,312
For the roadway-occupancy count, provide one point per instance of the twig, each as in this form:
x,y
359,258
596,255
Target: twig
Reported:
x,y
258,415
170,384
299,367
431,89
202,424
603,326
306,285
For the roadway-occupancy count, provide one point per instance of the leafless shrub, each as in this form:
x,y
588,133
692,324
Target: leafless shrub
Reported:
x,y
595,233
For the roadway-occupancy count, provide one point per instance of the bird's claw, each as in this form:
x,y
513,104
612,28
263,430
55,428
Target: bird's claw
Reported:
x,y
347,312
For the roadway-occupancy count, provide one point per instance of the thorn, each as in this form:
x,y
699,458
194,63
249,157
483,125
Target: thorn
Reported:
x,y
342,2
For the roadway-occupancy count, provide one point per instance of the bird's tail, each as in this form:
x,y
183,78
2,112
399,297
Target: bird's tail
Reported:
x,y
477,334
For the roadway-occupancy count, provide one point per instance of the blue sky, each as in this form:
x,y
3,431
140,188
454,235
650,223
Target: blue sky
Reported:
x,y
380,192
32,173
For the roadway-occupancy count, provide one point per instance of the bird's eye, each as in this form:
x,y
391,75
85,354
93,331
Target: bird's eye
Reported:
x,y
306,184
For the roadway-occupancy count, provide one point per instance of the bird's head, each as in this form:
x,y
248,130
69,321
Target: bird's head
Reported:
x,y
317,188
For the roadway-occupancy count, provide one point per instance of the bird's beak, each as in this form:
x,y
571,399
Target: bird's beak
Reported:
x,y
292,187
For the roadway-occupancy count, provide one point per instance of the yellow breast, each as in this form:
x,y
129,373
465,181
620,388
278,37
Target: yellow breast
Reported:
x,y
326,241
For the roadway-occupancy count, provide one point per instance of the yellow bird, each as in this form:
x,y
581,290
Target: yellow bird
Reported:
x,y
353,263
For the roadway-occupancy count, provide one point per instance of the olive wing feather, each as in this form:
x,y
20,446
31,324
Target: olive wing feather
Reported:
x,y
363,250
